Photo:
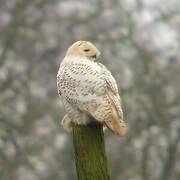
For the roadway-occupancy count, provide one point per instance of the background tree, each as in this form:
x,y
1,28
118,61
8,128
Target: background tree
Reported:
x,y
139,41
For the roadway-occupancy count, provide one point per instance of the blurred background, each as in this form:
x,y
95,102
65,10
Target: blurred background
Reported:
x,y
140,43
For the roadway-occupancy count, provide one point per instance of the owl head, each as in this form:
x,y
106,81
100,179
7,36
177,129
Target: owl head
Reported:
x,y
84,49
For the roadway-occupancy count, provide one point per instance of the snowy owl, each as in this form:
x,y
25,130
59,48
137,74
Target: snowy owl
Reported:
x,y
88,89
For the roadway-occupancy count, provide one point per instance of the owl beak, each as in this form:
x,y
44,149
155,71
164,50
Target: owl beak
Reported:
x,y
94,56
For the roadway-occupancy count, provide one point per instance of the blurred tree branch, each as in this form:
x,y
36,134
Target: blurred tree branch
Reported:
x,y
171,158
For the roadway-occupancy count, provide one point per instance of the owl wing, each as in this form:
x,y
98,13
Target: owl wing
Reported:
x,y
90,87
116,122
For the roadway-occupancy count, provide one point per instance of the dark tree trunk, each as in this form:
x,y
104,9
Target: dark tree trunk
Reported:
x,y
90,156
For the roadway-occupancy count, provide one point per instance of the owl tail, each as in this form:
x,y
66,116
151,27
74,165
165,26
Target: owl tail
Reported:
x,y
117,127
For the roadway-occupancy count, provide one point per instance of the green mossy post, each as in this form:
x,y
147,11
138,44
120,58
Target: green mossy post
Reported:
x,y
90,156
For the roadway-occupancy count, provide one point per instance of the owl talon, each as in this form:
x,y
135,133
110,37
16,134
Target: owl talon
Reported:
x,y
67,123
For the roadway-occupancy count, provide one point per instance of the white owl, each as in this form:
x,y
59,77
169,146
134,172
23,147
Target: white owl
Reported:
x,y
87,88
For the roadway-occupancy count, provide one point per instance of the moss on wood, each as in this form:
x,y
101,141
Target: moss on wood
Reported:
x,y
90,157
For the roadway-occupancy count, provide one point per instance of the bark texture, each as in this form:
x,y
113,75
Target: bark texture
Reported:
x,y
90,156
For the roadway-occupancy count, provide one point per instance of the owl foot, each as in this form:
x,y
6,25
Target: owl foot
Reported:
x,y
67,123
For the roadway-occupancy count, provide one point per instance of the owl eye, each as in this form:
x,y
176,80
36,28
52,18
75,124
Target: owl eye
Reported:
x,y
86,50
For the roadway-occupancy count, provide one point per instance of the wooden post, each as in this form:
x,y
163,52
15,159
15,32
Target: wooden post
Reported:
x,y
90,156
